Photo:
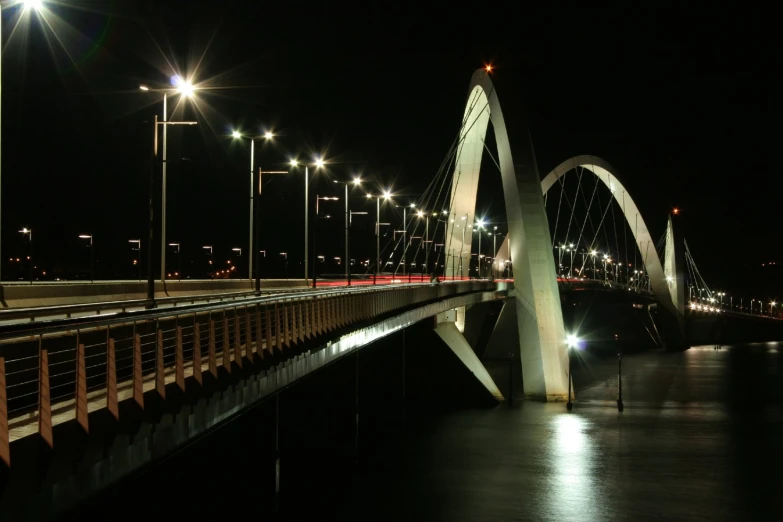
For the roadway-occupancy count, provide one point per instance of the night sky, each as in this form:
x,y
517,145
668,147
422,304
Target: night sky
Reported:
x,y
683,102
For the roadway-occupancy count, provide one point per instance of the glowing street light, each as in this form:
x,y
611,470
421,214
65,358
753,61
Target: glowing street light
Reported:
x,y
92,256
356,182
186,89
27,5
268,135
386,195
319,163
572,342
36,5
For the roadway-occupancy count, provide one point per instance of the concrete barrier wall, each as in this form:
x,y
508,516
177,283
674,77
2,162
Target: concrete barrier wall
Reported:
x,y
18,295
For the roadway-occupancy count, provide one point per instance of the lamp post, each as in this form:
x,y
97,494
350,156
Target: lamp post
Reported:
x,y
151,221
319,163
186,89
92,255
179,260
268,135
285,257
315,231
356,181
572,344
427,241
27,5
209,247
386,195
137,261
480,225
351,214
29,233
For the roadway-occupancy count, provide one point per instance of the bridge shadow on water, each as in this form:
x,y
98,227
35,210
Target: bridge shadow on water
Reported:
x,y
698,439
232,470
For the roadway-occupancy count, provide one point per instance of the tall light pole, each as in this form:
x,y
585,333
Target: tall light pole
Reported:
x,y
356,181
28,5
29,233
480,225
421,214
386,195
315,231
137,261
92,255
211,257
186,89
571,268
179,260
268,135
151,221
319,163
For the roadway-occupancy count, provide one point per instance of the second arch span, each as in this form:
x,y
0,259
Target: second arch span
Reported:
x,y
542,336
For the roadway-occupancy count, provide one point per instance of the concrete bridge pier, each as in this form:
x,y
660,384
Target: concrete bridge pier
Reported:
x,y
446,329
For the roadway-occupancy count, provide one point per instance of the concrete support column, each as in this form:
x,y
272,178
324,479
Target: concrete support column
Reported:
x,y
302,331
112,402
226,344
44,398
197,352
248,336
179,360
138,378
268,330
82,418
278,329
286,329
5,445
160,375
212,349
294,324
237,340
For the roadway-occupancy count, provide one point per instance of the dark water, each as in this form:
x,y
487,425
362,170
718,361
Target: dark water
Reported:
x,y
699,439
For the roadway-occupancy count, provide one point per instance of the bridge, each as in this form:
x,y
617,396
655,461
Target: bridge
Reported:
x,y
66,367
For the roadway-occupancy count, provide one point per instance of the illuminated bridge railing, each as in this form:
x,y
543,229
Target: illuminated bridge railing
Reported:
x,y
58,373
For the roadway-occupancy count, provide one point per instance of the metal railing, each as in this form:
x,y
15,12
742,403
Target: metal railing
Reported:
x,y
61,370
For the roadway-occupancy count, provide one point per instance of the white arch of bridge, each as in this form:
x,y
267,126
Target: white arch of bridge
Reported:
x,y
542,337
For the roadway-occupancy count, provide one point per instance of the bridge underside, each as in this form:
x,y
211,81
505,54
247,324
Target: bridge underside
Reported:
x,y
176,414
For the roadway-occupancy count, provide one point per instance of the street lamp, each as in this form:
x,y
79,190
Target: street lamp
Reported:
x,y
319,163
29,234
480,225
356,182
386,195
315,230
211,257
285,256
572,342
137,261
27,5
427,241
179,260
92,255
268,135
186,89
